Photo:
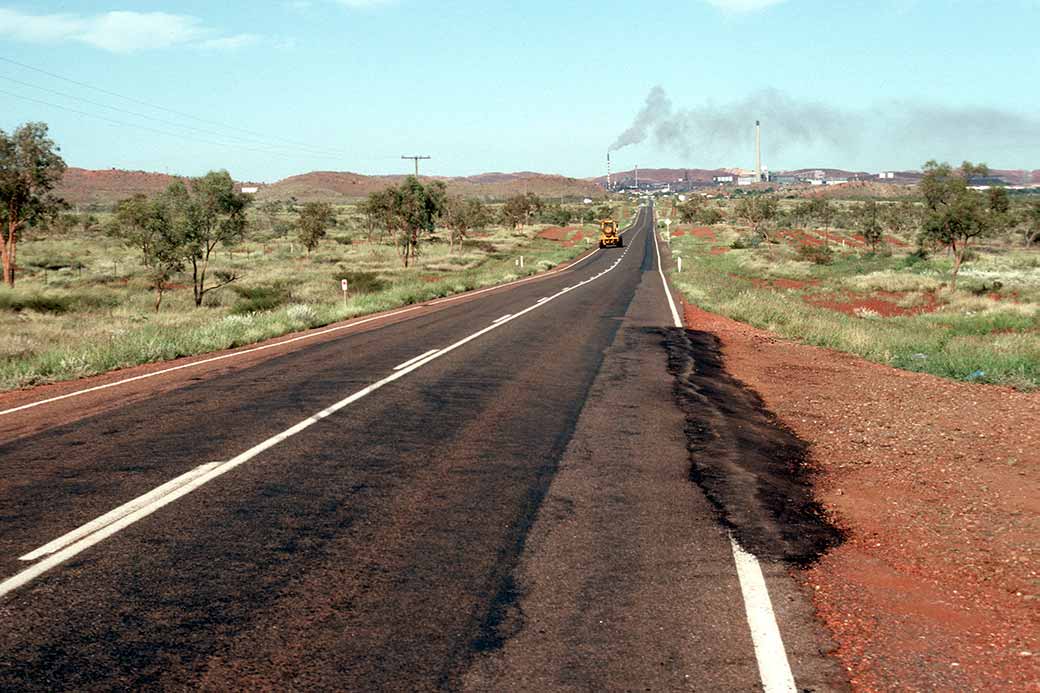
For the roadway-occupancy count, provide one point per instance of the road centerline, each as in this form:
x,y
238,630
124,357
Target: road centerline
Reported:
x,y
72,543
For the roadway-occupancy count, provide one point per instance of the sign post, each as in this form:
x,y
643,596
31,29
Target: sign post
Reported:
x,y
344,285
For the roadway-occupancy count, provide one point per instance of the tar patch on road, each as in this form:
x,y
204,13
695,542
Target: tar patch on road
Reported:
x,y
752,469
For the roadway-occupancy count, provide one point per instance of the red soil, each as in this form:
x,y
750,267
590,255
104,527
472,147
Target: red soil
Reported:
x,y
703,232
935,482
677,233
800,237
555,233
882,303
719,250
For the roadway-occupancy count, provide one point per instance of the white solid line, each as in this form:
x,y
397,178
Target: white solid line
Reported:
x,y
543,299
773,667
412,360
664,282
501,318
93,536
122,511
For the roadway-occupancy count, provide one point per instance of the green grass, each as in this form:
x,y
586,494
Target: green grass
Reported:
x,y
969,337
80,321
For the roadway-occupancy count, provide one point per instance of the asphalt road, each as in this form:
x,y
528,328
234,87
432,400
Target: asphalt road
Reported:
x,y
515,512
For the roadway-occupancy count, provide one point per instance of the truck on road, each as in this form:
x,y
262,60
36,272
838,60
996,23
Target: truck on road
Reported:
x,y
608,234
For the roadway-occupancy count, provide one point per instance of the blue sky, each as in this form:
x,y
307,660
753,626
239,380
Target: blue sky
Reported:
x,y
270,89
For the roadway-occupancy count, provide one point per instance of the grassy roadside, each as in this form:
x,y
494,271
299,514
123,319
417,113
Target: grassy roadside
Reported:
x,y
69,319
889,308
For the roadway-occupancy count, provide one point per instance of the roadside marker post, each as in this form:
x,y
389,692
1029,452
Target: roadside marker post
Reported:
x,y
678,261
344,285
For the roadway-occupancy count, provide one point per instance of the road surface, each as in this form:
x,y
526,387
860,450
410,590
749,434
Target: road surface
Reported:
x,y
487,494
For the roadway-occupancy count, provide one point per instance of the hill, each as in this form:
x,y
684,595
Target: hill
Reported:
x,y
86,187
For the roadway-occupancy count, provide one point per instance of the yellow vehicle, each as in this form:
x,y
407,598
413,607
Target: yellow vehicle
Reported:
x,y
608,234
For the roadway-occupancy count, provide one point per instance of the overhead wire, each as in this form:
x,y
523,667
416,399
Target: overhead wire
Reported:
x,y
265,139
151,129
151,118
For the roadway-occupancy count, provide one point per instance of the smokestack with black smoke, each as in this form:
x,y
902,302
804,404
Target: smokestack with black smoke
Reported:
x,y
721,129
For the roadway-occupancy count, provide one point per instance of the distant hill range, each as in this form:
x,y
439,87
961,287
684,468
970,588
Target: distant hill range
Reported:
x,y
105,187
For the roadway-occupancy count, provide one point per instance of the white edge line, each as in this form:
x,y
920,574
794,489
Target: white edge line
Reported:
x,y
664,282
55,559
308,335
773,666
412,360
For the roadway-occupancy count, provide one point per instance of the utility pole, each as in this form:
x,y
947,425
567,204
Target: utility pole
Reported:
x,y
416,160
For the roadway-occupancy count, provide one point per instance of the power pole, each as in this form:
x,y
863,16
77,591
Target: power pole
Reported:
x,y
416,160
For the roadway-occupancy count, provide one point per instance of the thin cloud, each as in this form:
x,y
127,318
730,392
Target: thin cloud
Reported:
x,y
118,32
364,4
741,6
230,43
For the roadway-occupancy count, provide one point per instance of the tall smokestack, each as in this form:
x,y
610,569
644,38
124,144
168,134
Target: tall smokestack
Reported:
x,y
758,152
637,176
608,171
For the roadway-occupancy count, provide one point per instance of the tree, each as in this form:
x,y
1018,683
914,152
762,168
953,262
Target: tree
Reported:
x,y
872,233
379,210
30,167
956,216
313,222
408,211
900,218
1032,222
690,210
462,215
518,209
756,211
149,226
209,213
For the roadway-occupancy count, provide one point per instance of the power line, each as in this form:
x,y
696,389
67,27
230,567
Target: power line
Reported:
x,y
98,104
150,129
163,108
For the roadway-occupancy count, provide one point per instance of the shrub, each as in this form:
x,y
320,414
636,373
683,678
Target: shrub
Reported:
x,y
253,299
818,255
361,282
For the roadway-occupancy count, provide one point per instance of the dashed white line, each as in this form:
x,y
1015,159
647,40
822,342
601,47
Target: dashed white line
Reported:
x,y
507,315
412,360
773,667
69,545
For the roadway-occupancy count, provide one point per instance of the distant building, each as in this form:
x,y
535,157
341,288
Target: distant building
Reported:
x,y
819,174
836,181
785,180
250,189
722,179
747,180
886,175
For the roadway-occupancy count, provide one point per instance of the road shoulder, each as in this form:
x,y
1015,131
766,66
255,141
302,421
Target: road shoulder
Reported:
x,y
934,482
627,580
